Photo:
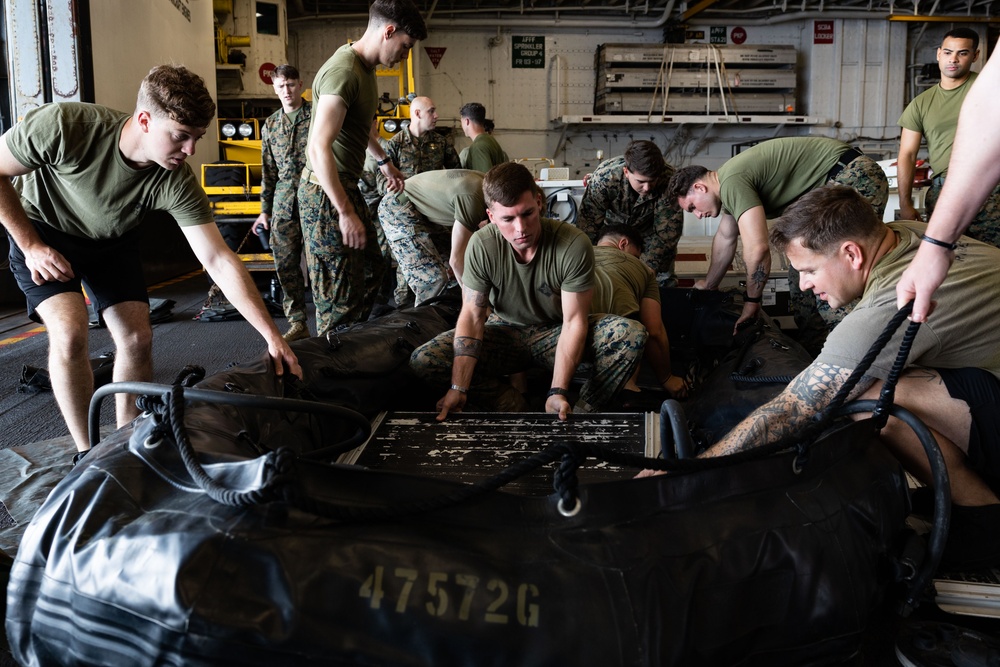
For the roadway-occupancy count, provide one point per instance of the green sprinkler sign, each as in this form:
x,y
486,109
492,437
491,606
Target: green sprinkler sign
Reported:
x,y
527,52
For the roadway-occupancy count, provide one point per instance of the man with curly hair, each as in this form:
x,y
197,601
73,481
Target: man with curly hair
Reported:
x,y
84,179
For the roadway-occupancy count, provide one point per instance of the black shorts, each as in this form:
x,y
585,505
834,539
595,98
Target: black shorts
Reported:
x,y
110,269
981,391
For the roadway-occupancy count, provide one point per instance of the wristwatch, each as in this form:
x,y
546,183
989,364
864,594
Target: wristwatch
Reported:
x,y
384,161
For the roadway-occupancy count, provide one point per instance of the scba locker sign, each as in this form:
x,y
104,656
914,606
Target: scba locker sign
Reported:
x,y
823,32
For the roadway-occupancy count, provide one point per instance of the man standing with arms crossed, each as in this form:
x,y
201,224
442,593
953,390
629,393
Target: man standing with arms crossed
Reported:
x,y
418,148
283,156
75,220
345,262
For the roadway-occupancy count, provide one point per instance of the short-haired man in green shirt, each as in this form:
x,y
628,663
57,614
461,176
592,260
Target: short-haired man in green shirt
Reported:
x,y
758,184
952,377
624,286
933,115
485,151
528,284
345,261
75,220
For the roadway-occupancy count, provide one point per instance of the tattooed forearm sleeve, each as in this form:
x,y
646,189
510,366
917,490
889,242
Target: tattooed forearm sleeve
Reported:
x,y
789,412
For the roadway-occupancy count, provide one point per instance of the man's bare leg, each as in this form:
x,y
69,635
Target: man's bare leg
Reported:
x,y
128,323
922,392
66,320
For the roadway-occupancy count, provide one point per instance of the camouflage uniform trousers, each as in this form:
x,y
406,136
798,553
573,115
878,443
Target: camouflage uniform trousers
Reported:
x,y
614,345
659,241
345,281
410,239
372,198
286,246
985,226
814,317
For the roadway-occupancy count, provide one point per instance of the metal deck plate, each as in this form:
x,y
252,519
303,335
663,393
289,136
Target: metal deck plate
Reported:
x,y
471,447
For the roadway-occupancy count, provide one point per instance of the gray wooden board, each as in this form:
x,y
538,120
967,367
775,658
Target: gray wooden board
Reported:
x,y
472,447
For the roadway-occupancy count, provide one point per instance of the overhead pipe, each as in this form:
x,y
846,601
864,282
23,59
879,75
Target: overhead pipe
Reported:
x,y
944,19
606,23
862,14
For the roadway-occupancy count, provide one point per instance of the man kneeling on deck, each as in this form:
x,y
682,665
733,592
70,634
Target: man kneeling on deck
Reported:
x,y
624,285
842,251
537,275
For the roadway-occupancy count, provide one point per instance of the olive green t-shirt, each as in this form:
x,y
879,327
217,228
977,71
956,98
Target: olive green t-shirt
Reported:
x,y
81,183
934,114
347,77
964,331
530,294
621,282
446,195
776,172
484,154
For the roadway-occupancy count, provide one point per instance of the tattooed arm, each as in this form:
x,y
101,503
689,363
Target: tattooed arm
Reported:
x,y
468,344
790,411
757,257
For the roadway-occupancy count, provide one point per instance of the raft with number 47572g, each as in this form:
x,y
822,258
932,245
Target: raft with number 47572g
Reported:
x,y
219,528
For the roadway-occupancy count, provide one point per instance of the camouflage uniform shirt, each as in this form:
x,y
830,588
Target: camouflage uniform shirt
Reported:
x,y
283,156
415,155
610,200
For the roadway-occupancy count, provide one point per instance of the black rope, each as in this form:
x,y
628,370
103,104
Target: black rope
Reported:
x,y
880,415
822,419
866,361
214,490
189,376
565,482
761,379
280,484
410,507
